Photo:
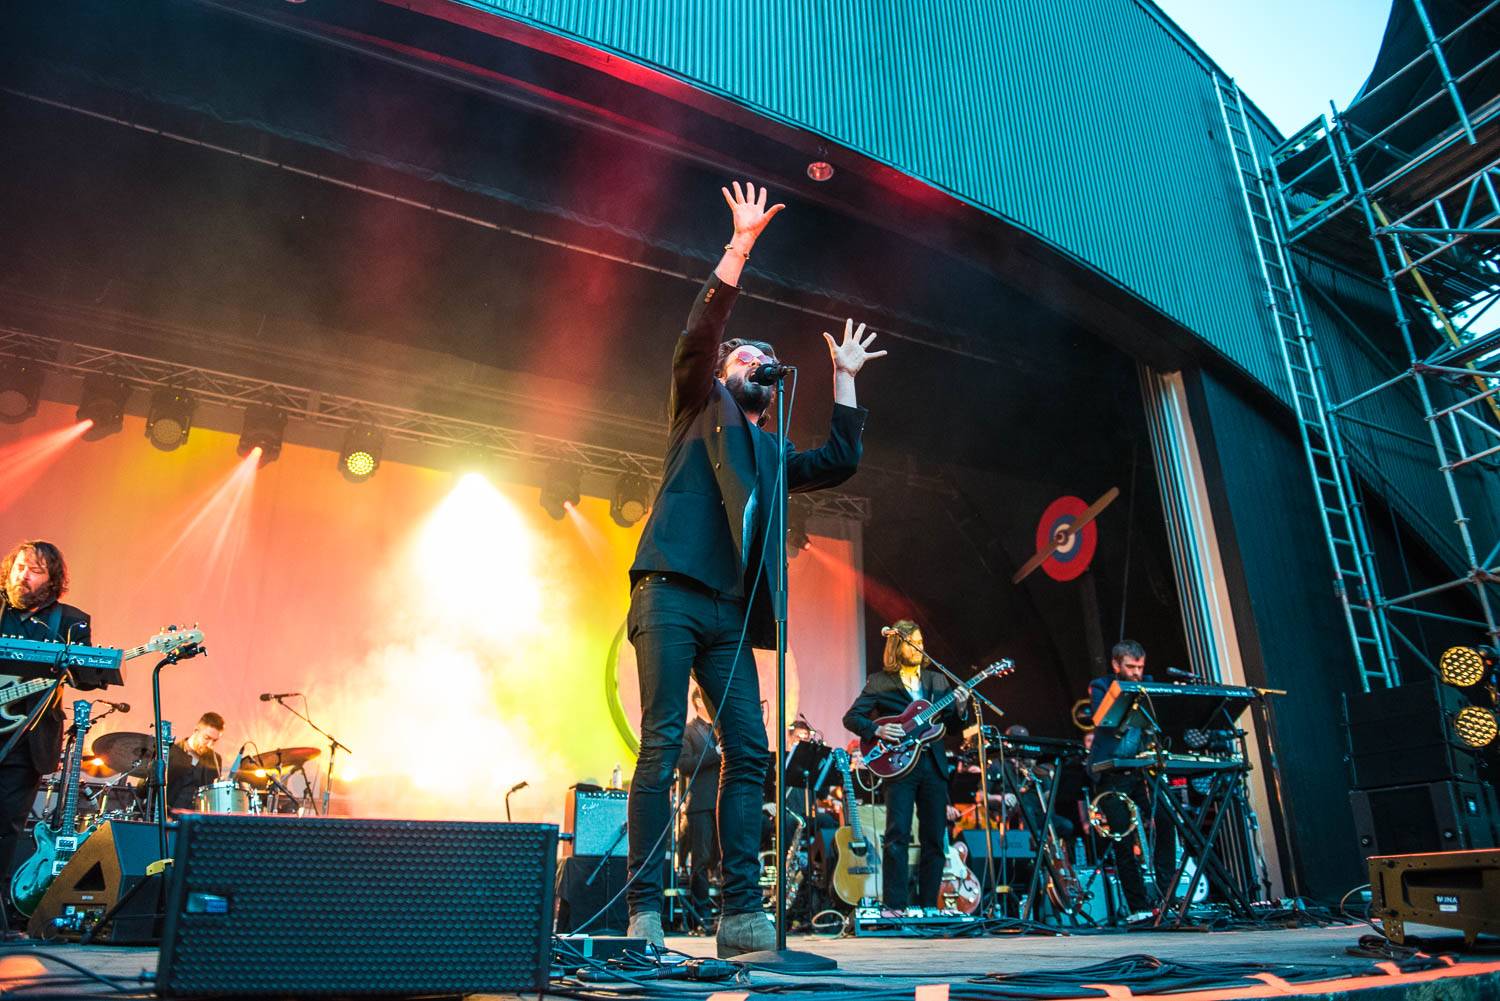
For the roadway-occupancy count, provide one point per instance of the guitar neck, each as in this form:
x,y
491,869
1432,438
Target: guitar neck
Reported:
x,y
926,715
850,801
75,765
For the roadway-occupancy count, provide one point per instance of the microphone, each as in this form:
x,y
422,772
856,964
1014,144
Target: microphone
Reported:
x,y
119,707
889,631
1178,672
268,696
517,787
239,756
769,373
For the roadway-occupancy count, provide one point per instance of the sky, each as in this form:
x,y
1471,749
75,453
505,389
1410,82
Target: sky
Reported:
x,y
1291,57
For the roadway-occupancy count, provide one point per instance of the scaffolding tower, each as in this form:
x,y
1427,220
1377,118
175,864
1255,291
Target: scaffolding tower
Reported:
x,y
1404,183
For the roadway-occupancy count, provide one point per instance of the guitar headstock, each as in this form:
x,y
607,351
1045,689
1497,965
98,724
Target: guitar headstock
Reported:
x,y
998,669
83,714
841,759
174,641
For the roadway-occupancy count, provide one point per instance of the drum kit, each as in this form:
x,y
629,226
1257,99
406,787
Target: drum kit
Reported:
x,y
258,785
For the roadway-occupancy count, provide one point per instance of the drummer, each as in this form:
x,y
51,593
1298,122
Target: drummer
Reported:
x,y
193,762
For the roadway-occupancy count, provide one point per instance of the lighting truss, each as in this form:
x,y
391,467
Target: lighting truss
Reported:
x,y
333,410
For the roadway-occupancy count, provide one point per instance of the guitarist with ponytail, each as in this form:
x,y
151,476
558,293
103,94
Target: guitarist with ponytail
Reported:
x,y
925,784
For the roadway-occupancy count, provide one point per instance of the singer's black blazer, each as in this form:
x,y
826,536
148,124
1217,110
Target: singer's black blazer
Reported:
x,y
716,459
43,745
885,695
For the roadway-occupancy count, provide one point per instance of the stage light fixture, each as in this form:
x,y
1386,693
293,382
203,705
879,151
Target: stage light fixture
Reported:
x,y
1464,667
20,389
560,489
170,418
1476,726
820,170
632,500
263,429
360,456
103,402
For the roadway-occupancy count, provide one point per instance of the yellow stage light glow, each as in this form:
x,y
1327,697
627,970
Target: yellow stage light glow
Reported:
x,y
1476,726
1461,666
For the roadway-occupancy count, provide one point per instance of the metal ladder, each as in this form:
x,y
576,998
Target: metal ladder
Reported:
x,y
1355,581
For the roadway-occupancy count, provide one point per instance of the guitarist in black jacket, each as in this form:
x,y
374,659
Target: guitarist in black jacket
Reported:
x,y
34,577
926,785
700,596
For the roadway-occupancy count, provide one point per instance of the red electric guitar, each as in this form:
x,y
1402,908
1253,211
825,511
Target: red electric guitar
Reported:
x,y
893,758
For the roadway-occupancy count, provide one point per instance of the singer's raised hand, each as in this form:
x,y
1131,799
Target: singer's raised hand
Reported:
x,y
850,355
747,207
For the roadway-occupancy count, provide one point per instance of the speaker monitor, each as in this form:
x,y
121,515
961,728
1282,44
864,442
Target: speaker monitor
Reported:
x,y
1458,890
281,905
596,819
105,870
1433,816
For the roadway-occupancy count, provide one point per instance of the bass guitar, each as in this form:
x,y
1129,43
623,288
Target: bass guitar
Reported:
x,y
856,874
14,690
54,845
891,759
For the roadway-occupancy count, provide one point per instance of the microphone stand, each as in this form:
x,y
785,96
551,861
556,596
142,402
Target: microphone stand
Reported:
x,y
334,746
781,958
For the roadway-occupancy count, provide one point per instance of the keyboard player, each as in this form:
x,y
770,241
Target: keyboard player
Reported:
x,y
35,577
1127,662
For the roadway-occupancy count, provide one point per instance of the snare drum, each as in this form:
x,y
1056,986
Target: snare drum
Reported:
x,y
223,796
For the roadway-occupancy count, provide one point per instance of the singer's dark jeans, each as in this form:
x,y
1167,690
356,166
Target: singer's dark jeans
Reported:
x,y
679,629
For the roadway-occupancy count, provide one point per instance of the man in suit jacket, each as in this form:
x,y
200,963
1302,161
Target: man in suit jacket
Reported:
x,y
1127,662
34,576
699,768
926,785
700,591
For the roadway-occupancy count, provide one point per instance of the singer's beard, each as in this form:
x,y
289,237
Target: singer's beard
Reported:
x,y
752,397
22,598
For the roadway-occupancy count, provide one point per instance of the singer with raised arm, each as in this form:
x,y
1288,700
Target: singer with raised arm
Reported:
x,y
700,595
193,763
1127,662
35,576
903,681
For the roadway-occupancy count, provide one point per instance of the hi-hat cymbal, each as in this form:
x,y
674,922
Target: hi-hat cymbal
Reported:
x,y
125,751
279,761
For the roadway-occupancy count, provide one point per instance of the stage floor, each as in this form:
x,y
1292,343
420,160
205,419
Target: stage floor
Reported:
x,y
900,965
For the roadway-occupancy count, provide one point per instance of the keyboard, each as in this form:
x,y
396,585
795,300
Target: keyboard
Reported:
x,y
1176,764
98,665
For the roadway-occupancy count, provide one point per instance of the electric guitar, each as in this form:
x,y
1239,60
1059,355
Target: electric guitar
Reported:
x,y
54,845
959,890
856,875
891,759
14,690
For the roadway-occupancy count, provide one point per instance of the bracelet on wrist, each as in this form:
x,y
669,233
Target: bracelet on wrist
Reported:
x,y
735,250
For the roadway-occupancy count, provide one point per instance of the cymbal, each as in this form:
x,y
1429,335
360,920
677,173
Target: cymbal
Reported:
x,y
281,760
125,751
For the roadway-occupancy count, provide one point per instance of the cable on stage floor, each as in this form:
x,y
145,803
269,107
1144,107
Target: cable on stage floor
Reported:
x,y
141,985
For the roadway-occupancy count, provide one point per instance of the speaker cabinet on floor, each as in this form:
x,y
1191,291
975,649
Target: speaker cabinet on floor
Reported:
x,y
580,901
105,870
1433,816
334,906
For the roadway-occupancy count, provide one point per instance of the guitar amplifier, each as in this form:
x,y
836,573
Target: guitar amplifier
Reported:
x,y
596,818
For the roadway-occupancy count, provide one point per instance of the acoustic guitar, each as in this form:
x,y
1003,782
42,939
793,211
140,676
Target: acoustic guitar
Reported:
x,y
856,874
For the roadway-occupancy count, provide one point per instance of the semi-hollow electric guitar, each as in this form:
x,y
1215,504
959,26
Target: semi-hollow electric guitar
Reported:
x,y
14,690
54,845
893,758
856,875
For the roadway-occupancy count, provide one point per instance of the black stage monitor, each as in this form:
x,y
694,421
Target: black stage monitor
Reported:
x,y
269,905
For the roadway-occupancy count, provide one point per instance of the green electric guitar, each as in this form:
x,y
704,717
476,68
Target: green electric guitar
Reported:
x,y
54,845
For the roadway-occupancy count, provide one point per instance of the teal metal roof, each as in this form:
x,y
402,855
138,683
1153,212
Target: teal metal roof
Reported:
x,y
1090,123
